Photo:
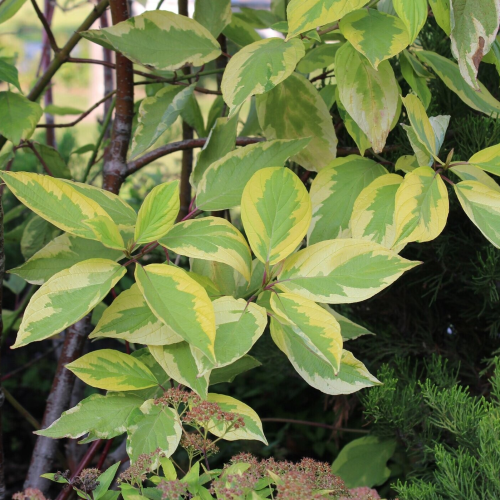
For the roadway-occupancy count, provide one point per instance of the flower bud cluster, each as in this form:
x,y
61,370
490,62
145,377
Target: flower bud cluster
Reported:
x,y
87,480
206,412
172,490
175,397
195,445
29,494
137,472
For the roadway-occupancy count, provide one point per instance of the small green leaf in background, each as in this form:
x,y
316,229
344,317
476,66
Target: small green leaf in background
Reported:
x,y
240,31
52,109
157,213
215,15
19,115
363,462
230,372
8,72
113,371
319,57
54,161
417,82
9,8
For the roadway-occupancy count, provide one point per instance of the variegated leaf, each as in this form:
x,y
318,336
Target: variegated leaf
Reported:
x,y
240,31
317,328
214,15
319,57
481,203
473,173
341,271
37,234
130,318
406,164
151,427
352,376
308,117
422,207
348,328
488,159
442,15
66,298
19,116
113,371
449,73
373,215
258,68
417,83
305,15
276,212
156,114
474,27
157,213
61,253
224,277
369,96
102,417
413,14
252,428
211,238
333,193
230,372
365,26
178,40
180,302
179,362
223,182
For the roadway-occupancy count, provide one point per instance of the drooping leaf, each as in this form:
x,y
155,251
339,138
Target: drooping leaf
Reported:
x,y
211,238
112,370
192,115
333,193
305,15
319,57
157,213
53,160
37,233
317,328
348,328
488,159
223,182
61,253
481,203
474,27
214,15
178,361
66,298
240,31
442,15
413,14
417,83
449,73
376,35
422,207
180,302
19,115
276,212
104,417
308,117
373,214
130,318
8,72
369,96
341,271
258,68
156,114
178,40
151,427
352,376
9,8
230,372
253,425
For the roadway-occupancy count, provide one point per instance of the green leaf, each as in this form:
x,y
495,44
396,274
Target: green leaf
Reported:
x,y
373,214
230,372
223,182
53,160
52,109
352,376
62,253
221,140
442,14
240,31
481,203
369,96
8,72
210,238
214,15
308,117
349,329
305,15
104,417
376,35
406,164
157,114
19,115
317,328
9,8
319,57
130,318
341,271
226,279
413,14
474,27
66,298
488,159
37,233
449,73
179,363
473,173
178,40
106,231
157,213
276,212
329,94
422,207
417,83
191,114
363,462
104,481
258,68
51,477
333,193
151,427
252,428
179,301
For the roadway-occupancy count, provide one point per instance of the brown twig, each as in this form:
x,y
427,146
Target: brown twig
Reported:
x,y
46,27
21,409
39,157
314,424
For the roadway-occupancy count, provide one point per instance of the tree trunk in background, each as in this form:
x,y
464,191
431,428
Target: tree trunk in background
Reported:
x,y
50,133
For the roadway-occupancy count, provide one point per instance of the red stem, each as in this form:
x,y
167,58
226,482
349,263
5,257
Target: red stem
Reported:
x,y
104,453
